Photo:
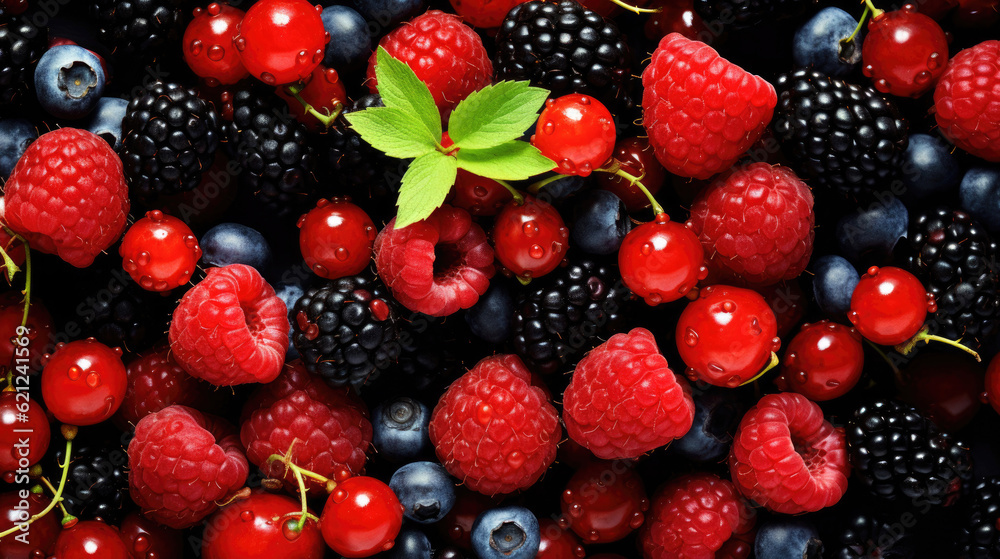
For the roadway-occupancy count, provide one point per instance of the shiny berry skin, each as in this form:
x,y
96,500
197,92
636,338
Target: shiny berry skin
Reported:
x,y
993,383
822,362
558,542
323,90
361,517
889,305
159,251
904,53
637,158
90,538
84,382
145,539
530,239
604,501
977,13
577,132
676,16
19,412
281,41
478,195
208,44
946,390
261,526
726,335
336,238
39,332
40,538
456,526
661,261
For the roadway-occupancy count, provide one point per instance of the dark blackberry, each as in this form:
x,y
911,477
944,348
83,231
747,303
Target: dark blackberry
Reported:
x,y
169,136
861,533
136,28
899,454
97,483
740,14
980,537
346,330
568,314
21,45
955,258
839,135
564,48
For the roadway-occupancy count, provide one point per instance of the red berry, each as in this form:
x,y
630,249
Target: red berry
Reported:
x,y
604,501
946,390
889,305
155,381
967,100
361,517
530,239
323,91
905,52
993,383
557,542
478,195
39,539
676,16
38,334
146,539
977,13
281,41
661,261
336,238
208,44
84,382
22,419
262,526
159,252
487,14
636,158
577,132
822,362
90,538
788,303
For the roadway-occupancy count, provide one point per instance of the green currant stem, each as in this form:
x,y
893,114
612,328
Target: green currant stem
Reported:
x,y
518,197
861,23
615,168
9,379
895,370
906,347
67,517
55,499
535,187
636,9
875,11
774,363
27,282
326,120
302,494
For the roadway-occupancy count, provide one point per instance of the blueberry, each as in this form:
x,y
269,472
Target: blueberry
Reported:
x,y
873,231
411,543
600,222
506,533
425,490
106,120
929,168
69,81
350,44
817,43
289,293
561,189
716,415
399,429
788,538
232,243
16,134
492,317
834,280
383,15
980,195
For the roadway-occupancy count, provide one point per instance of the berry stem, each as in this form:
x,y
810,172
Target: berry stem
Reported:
x,y
518,197
614,167
923,336
55,500
537,186
326,120
774,363
636,9
875,11
301,524
861,23
27,282
68,519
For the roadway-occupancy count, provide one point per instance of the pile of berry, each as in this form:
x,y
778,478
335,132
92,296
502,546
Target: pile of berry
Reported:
x,y
499,279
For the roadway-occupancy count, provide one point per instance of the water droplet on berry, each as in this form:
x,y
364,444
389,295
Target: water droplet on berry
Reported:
x,y
141,544
93,379
131,266
922,77
342,254
868,70
317,56
593,535
480,191
853,317
549,127
303,57
190,241
715,368
536,251
240,43
654,299
934,62
734,381
775,343
567,167
690,337
755,328
320,270
196,47
247,516
530,229
636,521
984,397
586,168
832,383
143,258
388,545
73,373
728,306
268,78
339,495
646,249
556,246
801,376
515,459
584,100
576,510
216,52
484,414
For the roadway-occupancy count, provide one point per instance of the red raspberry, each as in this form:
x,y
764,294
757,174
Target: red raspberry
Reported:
x,y
446,54
67,196
787,458
624,400
436,266
756,224
493,430
181,462
155,381
698,516
327,429
701,111
967,100
230,328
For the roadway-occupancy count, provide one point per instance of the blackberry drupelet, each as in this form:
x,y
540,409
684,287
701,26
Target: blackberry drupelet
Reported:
x,y
858,533
21,45
97,483
564,48
740,14
980,537
136,28
899,454
346,330
839,135
169,136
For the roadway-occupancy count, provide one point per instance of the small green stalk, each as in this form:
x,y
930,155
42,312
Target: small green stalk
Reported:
x,y
55,499
300,474
518,197
923,336
636,9
537,186
68,519
327,120
774,363
615,168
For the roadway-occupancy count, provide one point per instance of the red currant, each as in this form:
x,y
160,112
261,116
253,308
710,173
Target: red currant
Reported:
x,y
977,13
478,195
577,132
146,539
727,335
889,305
787,301
456,526
16,507
323,91
262,526
15,7
822,362
558,542
361,517
84,382
677,16
281,41
936,9
945,389
905,52
530,238
604,501
208,44
90,538
993,383
38,333
21,418
661,261
636,158
159,252
336,238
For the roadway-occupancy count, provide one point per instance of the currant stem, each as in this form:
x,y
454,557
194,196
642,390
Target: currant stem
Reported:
x,y
906,347
326,120
299,470
67,517
518,197
27,282
774,363
537,186
55,499
861,23
302,495
875,11
614,167
637,9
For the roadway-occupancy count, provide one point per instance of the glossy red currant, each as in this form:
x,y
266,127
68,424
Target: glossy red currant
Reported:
x,y
478,195
262,526
15,507
904,53
361,517
889,305
822,362
38,334
84,382
661,261
146,539
159,251
90,539
530,238
977,13
604,501
946,390
324,91
281,41
636,157
21,419
558,542
336,238
456,526
677,16
577,132
208,44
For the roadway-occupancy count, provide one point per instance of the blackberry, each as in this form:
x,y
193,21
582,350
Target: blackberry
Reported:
x,y
740,14
980,537
568,314
564,48
899,454
955,258
169,136
21,45
346,330
860,533
844,137
97,483
134,28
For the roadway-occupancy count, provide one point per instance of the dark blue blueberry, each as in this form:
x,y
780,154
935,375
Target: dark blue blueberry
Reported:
x,y
492,317
506,533
980,195
16,134
69,81
929,168
399,429
561,189
383,15
834,280
232,243
716,415
289,293
425,490
350,43
873,231
788,538
817,43
106,120
411,543
600,222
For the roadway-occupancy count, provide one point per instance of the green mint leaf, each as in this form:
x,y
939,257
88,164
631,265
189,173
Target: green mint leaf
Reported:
x,y
425,185
392,130
495,115
402,89
512,161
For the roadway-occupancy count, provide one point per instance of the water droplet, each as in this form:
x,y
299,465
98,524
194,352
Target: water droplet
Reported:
x,y
190,241
584,100
593,535
868,70
549,127
586,168
268,78
143,258
216,53
303,57
715,368
883,85
73,373
567,167
933,63
654,299
832,383
484,414
214,9
342,254
388,545
247,516
690,337
515,460
339,496
734,381
240,43
646,249
318,56
480,191
557,247
984,397
853,317
320,270
536,251
801,377
141,544
636,521
196,47
728,306
755,328
131,266
93,379
530,229
922,77
146,282
576,510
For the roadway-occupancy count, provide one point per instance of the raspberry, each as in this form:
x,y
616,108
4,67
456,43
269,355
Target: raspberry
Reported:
x,y
327,429
230,328
493,430
701,111
67,196
967,100
436,266
446,54
181,462
756,224
787,458
698,516
624,400
156,381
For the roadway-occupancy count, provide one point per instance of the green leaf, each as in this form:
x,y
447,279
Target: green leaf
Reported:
x,y
496,114
425,184
402,89
394,131
512,161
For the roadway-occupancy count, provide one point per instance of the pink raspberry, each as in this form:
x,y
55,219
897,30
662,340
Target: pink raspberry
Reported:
x,y
967,100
